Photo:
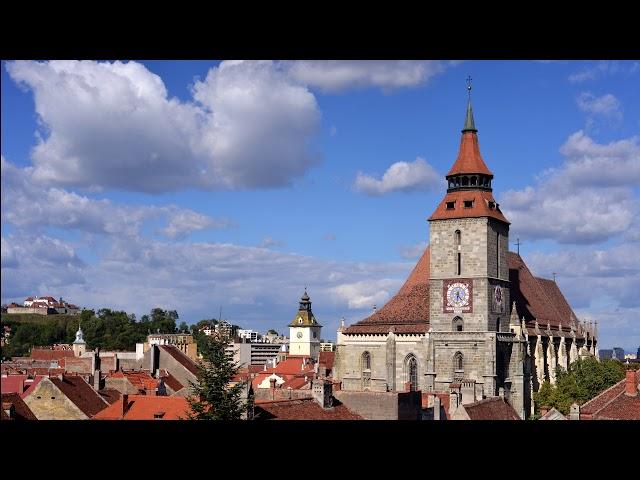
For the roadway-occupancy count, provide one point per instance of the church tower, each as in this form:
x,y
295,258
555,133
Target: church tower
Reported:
x,y
469,276
304,331
79,345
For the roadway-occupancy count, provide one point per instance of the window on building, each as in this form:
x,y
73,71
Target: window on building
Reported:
x,y
498,255
458,366
468,203
366,370
498,324
457,243
465,181
457,324
451,205
366,361
412,371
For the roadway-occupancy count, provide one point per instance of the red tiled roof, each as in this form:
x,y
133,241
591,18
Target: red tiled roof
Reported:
x,y
302,409
469,159
21,409
12,384
80,393
181,358
139,379
480,208
444,401
407,311
110,395
287,370
326,359
172,382
48,354
145,407
537,298
613,403
297,383
495,408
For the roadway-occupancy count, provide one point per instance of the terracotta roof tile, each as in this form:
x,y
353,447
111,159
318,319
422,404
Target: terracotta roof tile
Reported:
x,y
145,407
21,409
469,159
407,311
181,358
48,354
80,393
481,206
614,404
302,409
172,382
110,395
495,408
326,359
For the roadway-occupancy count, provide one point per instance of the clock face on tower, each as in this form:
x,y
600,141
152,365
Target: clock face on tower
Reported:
x,y
299,335
458,296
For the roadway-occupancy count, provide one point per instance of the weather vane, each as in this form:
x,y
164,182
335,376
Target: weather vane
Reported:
x,y
469,85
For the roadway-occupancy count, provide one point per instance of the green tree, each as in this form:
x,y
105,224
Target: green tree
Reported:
x,y
183,327
214,397
585,379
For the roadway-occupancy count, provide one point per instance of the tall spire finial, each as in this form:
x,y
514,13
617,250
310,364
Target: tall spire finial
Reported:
x,y
469,125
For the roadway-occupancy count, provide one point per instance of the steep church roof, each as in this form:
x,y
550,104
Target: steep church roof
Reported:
x,y
538,298
482,205
469,159
407,311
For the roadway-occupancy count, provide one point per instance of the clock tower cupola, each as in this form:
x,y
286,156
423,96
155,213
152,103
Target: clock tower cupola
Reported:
x,y
304,331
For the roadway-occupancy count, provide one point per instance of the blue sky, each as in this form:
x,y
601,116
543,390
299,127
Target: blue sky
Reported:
x,y
199,184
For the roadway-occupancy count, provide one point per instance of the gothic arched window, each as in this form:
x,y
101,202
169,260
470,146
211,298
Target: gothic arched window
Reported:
x,y
412,371
458,366
457,324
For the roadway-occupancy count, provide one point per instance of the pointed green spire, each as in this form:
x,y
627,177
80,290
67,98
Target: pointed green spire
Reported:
x,y
469,125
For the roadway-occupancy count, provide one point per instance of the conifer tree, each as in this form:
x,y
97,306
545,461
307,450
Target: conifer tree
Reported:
x,y
214,398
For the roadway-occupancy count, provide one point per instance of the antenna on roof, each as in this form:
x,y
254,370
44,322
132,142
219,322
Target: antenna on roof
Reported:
x,y
554,276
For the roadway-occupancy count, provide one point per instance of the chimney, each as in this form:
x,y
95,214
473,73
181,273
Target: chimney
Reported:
x,y
631,388
96,380
322,393
436,408
125,404
544,410
574,413
153,364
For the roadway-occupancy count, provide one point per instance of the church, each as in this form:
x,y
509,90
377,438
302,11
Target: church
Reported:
x,y
471,320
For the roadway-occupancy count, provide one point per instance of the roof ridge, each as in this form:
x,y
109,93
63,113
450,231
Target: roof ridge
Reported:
x,y
620,383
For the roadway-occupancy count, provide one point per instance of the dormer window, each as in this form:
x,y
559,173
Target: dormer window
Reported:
x,y
158,415
468,203
451,205
492,205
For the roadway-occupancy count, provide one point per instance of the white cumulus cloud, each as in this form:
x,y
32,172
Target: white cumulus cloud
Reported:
x,y
113,125
340,75
400,177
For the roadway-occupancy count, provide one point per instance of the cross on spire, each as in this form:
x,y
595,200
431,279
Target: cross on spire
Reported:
x,y
554,276
518,243
469,125
469,80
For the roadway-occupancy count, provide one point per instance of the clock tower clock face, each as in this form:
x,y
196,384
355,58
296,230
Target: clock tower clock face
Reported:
x,y
458,296
299,335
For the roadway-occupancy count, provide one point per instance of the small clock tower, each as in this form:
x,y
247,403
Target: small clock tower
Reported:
x,y
304,331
